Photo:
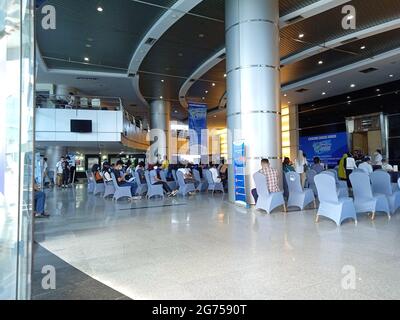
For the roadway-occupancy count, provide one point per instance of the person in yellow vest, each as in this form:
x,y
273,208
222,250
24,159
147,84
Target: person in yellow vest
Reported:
x,y
165,163
342,167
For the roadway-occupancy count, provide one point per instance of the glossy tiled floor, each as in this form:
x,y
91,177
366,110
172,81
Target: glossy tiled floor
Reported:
x,y
205,248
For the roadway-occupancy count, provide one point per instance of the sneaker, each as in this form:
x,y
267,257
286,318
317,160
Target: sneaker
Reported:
x,y
174,193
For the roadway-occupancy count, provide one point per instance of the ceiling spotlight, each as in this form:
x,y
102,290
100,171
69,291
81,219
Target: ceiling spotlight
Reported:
x,y
378,90
213,84
215,116
363,47
320,62
348,97
352,85
201,35
100,9
289,102
301,35
329,81
206,91
224,75
323,93
285,95
391,75
88,45
86,59
162,80
176,111
161,97
203,98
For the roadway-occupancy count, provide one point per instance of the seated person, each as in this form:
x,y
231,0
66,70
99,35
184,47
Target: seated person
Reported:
x,y
317,166
366,166
287,165
156,180
40,201
120,177
386,166
215,174
140,172
107,172
187,176
96,173
271,176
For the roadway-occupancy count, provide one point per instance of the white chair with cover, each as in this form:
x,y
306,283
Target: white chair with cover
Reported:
x,y
171,184
213,186
267,201
203,184
120,192
331,206
90,181
381,184
298,197
153,190
364,200
109,189
184,188
311,183
142,187
99,188
342,191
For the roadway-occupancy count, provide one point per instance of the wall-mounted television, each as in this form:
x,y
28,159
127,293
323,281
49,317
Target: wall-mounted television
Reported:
x,y
81,126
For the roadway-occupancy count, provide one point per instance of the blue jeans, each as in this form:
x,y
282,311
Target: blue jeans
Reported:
x,y
133,186
40,200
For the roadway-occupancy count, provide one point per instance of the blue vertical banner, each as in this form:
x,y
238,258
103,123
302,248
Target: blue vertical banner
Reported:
x,y
239,166
197,123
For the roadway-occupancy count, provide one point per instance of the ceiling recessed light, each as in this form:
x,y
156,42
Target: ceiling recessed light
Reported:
x,y
86,59
224,75
329,81
162,80
301,35
289,102
201,35
100,9
348,97
215,116
379,95
203,98
320,62
90,39
88,45
378,90
176,111
161,97
323,93
363,47
391,75
213,84
285,95
206,91
352,85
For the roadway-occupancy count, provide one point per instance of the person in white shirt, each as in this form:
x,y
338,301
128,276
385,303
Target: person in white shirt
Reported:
x,y
59,171
300,165
386,166
214,173
366,166
187,176
378,158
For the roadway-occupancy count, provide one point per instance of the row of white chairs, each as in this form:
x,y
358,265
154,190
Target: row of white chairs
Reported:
x,y
371,194
149,190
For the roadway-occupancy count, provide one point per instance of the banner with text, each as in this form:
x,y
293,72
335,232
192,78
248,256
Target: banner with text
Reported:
x,y
328,147
197,129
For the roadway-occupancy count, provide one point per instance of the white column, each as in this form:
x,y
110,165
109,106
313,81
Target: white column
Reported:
x,y
160,126
253,83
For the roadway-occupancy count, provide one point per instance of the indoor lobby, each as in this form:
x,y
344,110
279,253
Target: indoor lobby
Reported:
x,y
200,150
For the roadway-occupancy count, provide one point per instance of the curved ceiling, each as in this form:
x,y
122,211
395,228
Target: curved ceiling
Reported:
x,y
178,65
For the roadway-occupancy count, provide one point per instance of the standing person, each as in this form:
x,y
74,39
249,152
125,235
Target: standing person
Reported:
x,y
59,171
271,176
300,165
65,174
165,163
378,158
40,201
350,166
45,173
72,166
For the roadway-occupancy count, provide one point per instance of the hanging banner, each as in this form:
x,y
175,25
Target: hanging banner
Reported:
x,y
239,165
198,123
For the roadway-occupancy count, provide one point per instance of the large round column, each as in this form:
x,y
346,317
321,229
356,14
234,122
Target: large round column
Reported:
x,y
160,123
253,84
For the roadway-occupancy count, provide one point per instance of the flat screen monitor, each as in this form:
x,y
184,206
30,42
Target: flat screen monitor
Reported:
x,y
81,126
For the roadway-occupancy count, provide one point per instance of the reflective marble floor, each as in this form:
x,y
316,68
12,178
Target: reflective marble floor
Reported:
x,y
203,247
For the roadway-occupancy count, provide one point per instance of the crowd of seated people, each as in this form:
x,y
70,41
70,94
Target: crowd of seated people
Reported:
x,y
125,174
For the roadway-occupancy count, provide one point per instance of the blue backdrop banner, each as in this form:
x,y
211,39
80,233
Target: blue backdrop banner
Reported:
x,y
197,123
328,147
239,165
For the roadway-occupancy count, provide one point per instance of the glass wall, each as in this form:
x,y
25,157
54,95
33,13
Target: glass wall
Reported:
x,y
16,146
